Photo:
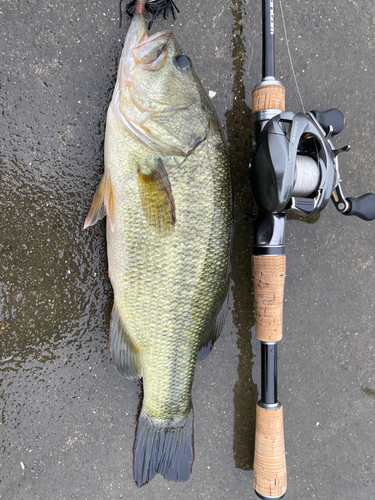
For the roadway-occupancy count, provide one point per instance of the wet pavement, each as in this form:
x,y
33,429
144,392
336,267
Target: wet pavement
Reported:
x,y
67,418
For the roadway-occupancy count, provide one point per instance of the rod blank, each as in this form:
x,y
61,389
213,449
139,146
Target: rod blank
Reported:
x,y
269,374
268,47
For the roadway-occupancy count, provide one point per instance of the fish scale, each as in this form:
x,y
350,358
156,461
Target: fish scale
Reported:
x,y
159,399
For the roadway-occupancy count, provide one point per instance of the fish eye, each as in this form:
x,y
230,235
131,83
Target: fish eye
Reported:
x,y
182,61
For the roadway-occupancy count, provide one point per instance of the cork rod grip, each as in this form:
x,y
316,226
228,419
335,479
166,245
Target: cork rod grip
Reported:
x,y
268,281
269,459
268,97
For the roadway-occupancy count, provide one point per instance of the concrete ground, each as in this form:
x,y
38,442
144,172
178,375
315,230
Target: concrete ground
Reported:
x,y
67,417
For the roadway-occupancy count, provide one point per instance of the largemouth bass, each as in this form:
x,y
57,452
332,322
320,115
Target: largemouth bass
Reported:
x,y
166,192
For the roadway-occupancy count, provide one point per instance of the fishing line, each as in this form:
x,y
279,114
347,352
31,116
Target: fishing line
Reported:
x,y
290,57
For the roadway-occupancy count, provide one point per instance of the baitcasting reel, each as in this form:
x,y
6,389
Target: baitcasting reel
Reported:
x,y
295,166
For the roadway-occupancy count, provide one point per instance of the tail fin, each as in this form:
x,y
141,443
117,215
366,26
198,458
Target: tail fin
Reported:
x,y
165,447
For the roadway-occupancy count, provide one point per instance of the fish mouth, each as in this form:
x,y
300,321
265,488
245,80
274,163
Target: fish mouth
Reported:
x,y
151,52
148,52
141,30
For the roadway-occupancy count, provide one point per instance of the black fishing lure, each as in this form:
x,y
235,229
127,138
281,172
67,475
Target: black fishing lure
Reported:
x,y
154,7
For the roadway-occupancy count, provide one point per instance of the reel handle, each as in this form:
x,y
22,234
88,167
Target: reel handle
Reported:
x,y
330,118
363,206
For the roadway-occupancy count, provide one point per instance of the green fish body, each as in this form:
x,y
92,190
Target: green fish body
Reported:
x,y
166,192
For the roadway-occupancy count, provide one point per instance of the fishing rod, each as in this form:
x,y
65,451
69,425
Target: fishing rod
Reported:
x,y
295,169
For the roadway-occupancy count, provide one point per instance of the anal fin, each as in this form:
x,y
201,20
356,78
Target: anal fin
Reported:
x,y
125,355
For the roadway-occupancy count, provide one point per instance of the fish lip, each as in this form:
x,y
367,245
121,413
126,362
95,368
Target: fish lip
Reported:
x,y
160,34
136,34
137,31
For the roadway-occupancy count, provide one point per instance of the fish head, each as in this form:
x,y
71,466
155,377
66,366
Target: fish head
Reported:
x,y
159,94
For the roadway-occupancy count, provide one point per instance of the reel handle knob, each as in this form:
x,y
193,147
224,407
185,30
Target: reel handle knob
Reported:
x,y
363,206
332,117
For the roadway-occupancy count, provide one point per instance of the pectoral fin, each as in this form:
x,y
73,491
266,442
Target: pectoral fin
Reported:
x,y
157,198
102,204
